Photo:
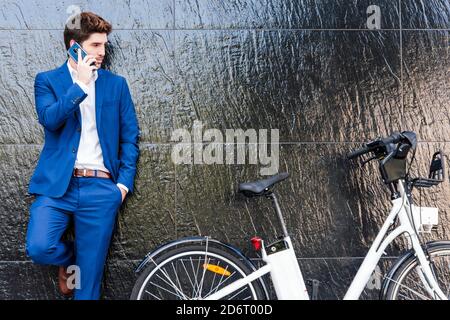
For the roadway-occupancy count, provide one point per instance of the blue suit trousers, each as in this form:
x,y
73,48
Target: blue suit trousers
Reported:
x,y
93,203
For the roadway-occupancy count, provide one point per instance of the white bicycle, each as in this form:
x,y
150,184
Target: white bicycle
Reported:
x,y
202,268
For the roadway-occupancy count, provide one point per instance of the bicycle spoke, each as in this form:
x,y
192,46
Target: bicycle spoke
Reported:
x,y
176,276
173,293
179,289
152,294
448,285
199,283
163,280
237,293
214,278
168,278
172,284
187,273
406,297
200,286
413,291
204,269
195,278
220,283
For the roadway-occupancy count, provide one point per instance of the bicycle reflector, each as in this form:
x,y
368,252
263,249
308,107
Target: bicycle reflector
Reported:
x,y
256,242
216,269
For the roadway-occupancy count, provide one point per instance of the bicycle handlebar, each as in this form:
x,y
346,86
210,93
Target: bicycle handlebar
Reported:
x,y
396,137
358,153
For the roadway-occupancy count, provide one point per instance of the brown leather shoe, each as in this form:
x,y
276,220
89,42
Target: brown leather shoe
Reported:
x,y
62,281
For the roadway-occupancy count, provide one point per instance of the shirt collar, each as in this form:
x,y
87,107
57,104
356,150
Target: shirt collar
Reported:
x,y
73,72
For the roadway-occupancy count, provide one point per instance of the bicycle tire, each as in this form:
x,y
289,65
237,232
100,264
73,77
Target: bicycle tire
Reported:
x,y
405,283
192,257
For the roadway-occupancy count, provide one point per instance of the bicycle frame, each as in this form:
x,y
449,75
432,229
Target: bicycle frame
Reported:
x,y
288,280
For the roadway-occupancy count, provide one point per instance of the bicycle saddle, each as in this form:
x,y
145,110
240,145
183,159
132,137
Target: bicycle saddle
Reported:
x,y
260,187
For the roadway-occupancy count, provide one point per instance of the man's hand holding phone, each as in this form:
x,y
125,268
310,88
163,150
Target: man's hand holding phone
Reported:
x,y
84,68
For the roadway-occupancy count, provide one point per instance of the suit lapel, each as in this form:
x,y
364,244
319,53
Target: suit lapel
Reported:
x,y
65,78
99,90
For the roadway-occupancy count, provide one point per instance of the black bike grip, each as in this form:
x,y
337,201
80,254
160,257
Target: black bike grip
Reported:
x,y
357,153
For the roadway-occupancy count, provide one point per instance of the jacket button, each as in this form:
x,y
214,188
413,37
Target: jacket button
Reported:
x,y
73,150
79,129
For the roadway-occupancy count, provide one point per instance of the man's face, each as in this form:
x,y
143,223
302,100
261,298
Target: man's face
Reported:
x,y
95,46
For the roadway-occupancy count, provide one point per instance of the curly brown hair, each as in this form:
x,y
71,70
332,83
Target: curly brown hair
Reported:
x,y
89,23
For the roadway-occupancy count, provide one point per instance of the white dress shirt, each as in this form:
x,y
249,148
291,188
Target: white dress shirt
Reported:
x,y
89,155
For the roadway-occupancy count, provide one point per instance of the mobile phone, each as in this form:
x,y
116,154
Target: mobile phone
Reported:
x,y
73,52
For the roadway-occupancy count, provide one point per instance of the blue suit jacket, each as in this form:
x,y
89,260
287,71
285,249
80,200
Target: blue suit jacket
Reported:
x,y
57,105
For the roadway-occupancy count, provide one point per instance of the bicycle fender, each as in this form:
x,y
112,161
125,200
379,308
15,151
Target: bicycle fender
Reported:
x,y
404,257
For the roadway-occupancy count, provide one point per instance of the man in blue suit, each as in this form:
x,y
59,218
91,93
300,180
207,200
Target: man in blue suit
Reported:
x,y
88,162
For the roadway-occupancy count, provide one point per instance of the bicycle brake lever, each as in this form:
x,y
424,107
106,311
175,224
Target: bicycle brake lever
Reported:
x,y
368,160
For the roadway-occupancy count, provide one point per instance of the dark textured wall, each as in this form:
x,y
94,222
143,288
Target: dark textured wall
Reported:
x,y
311,69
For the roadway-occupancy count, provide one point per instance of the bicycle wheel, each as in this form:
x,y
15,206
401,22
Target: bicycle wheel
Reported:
x,y
406,284
192,273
